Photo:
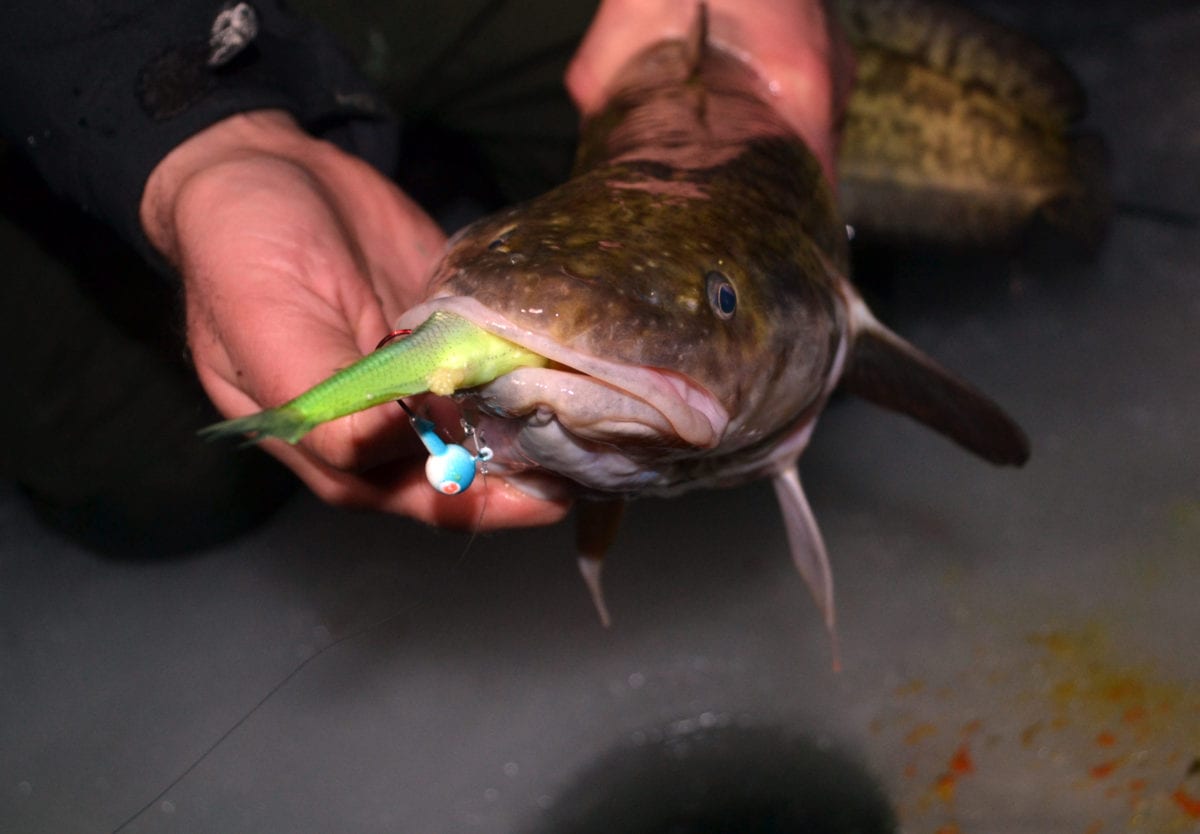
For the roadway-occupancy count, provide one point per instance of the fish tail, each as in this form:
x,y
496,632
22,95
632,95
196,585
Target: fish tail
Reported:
x,y
286,422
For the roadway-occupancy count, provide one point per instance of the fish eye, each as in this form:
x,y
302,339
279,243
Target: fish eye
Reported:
x,y
721,294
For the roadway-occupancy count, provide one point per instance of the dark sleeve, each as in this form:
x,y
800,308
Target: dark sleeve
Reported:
x,y
96,93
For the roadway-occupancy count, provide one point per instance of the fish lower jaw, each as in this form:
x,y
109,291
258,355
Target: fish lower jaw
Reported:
x,y
554,421
586,408
539,455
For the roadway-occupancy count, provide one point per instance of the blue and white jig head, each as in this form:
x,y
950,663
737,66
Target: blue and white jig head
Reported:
x,y
450,468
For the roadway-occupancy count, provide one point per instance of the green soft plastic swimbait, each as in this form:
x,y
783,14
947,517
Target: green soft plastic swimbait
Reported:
x,y
442,355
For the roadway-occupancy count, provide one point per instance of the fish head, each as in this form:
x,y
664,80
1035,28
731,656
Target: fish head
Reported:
x,y
691,326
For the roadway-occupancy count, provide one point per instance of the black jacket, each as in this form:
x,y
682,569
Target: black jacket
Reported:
x,y
96,92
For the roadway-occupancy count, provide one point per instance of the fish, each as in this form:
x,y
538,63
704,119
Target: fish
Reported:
x,y
966,133
678,313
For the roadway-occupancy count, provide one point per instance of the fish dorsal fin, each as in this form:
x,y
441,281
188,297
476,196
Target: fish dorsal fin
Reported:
x,y
888,371
808,548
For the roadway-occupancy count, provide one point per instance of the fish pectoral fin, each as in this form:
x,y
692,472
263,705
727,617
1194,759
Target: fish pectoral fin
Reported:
x,y
888,371
808,548
596,528
591,569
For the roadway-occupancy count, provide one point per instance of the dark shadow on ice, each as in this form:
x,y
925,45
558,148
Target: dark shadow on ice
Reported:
x,y
693,780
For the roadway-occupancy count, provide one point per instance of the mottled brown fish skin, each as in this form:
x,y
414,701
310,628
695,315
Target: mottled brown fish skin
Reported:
x,y
615,262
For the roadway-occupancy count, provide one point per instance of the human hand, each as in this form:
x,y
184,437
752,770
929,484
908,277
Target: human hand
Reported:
x,y
802,56
295,256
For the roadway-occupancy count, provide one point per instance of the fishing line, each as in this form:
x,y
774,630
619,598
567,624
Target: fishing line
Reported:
x,y
288,678
438,449
427,432
483,455
274,690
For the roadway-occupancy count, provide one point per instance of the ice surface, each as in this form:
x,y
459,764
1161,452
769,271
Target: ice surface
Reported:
x,y
1021,648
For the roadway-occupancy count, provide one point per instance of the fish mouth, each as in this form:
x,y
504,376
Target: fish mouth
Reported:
x,y
606,399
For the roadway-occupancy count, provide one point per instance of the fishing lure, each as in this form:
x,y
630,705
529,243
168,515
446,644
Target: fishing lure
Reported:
x,y
445,354
450,468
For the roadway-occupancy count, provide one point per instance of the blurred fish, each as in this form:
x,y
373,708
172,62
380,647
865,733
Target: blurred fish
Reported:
x,y
963,132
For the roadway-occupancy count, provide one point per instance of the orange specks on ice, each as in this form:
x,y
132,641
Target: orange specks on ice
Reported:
x,y
944,787
1064,691
913,687
1029,734
1189,804
1118,731
1134,714
1055,642
1124,688
961,763
920,732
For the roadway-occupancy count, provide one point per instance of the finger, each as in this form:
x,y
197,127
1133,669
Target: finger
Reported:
x,y
280,306
397,242
355,442
619,31
791,46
